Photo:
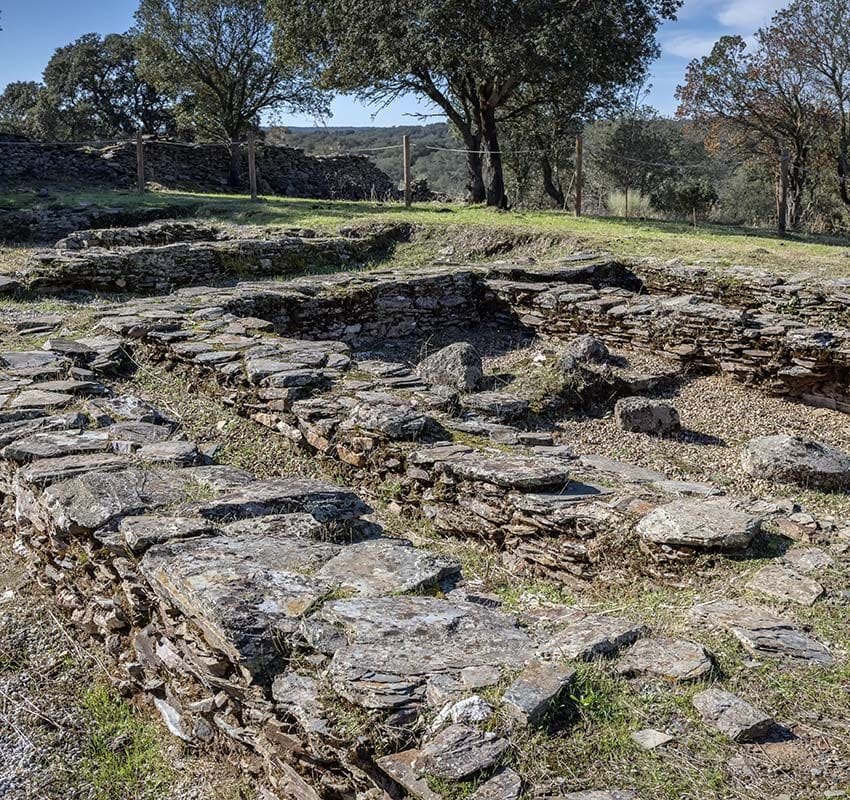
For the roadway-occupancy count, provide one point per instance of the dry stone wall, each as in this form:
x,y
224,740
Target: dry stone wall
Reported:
x,y
281,170
272,614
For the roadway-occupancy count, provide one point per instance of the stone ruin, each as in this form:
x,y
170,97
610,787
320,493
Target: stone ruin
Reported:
x,y
262,612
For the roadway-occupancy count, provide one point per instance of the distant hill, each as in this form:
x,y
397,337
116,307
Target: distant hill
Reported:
x,y
444,171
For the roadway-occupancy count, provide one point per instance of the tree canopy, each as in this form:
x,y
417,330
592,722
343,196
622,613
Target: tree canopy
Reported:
x,y
215,57
477,62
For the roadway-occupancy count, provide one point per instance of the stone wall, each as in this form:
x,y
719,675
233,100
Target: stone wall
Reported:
x,y
169,255
281,170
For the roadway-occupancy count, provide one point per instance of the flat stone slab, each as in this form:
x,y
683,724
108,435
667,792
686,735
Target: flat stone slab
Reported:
x,y
128,408
52,470
531,696
501,406
97,498
386,566
649,738
668,659
39,398
325,501
393,420
809,559
783,583
762,632
504,785
140,533
704,524
628,473
406,770
510,471
791,459
460,751
245,593
56,445
587,636
732,716
396,644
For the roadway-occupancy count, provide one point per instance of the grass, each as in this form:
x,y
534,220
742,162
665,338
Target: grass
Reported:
x,y
123,758
719,245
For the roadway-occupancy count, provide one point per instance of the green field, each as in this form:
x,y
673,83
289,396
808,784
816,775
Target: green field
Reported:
x,y
559,232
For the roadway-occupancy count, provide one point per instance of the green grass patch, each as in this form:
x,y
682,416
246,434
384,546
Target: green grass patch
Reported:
x,y
709,245
122,759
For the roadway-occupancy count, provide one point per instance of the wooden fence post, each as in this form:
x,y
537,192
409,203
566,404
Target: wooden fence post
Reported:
x,y
579,172
252,165
405,148
140,162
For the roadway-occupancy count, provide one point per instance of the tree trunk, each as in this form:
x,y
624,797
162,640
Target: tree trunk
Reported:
x,y
474,177
782,194
844,176
796,185
494,180
234,178
551,188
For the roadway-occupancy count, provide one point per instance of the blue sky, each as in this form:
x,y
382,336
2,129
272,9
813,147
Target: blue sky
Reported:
x,y
33,29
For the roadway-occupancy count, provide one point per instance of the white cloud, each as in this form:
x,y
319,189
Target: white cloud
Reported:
x,y
688,44
747,15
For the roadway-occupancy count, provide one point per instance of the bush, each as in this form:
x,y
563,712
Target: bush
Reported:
x,y
639,206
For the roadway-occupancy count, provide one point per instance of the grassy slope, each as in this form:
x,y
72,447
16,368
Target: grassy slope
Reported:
x,y
709,244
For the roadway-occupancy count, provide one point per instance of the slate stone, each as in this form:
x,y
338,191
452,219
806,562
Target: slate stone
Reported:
x,y
704,524
55,445
510,471
644,415
469,711
395,421
78,388
732,716
628,473
129,408
458,366
140,533
21,429
505,784
325,501
38,398
791,459
809,559
672,660
396,644
782,583
587,636
298,695
180,454
587,348
51,470
9,285
96,498
31,359
501,406
762,632
245,593
405,768
460,751
138,433
68,347
386,566
649,738
530,697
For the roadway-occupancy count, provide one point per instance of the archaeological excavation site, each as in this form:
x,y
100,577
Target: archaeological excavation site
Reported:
x,y
510,527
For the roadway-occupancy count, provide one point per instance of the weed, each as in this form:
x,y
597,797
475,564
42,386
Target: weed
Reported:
x,y
123,757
